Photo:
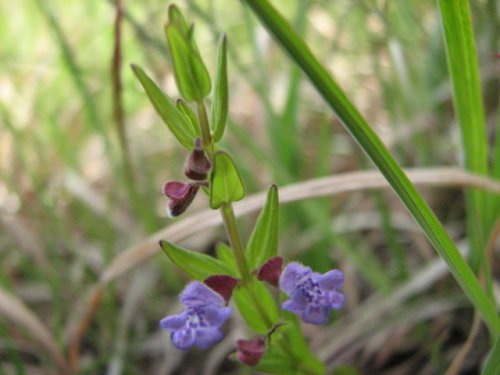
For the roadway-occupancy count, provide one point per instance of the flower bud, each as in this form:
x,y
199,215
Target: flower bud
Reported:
x,y
222,284
270,271
250,352
197,165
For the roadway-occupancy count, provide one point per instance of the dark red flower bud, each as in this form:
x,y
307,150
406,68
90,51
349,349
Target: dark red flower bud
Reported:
x,y
270,271
197,165
250,352
222,284
180,196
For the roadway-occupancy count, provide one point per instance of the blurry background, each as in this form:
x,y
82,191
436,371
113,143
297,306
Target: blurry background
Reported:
x,y
73,196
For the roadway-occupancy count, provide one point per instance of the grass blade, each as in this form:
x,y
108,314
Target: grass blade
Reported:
x,y
466,87
380,156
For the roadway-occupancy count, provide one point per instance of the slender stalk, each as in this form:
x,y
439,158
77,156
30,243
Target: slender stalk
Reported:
x,y
205,128
235,240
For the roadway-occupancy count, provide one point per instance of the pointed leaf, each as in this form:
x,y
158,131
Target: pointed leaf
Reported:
x,y
191,75
197,265
175,17
225,255
176,122
225,181
220,99
189,114
263,243
250,309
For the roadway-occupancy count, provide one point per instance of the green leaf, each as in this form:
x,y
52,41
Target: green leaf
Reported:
x,y
197,265
357,126
276,362
219,109
176,122
175,17
263,243
260,315
225,182
225,255
461,54
492,365
191,75
189,114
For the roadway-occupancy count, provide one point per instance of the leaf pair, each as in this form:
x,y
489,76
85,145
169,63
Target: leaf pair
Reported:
x,y
193,81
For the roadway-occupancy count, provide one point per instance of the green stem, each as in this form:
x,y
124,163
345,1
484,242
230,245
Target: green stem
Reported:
x,y
205,128
235,241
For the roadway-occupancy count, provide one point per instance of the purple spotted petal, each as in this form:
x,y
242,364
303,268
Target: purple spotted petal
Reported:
x,y
336,299
183,339
173,323
316,314
292,275
331,280
216,316
293,307
206,337
198,294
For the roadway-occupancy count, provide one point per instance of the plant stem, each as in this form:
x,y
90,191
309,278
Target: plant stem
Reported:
x,y
205,128
235,241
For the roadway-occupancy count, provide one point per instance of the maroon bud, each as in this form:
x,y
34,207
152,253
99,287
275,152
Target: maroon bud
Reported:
x,y
270,271
180,196
222,284
250,352
197,165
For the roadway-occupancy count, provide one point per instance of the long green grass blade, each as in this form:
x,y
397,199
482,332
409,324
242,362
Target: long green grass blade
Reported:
x,y
380,156
466,87
492,365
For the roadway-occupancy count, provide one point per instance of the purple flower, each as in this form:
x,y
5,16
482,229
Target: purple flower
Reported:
x,y
312,295
199,323
180,196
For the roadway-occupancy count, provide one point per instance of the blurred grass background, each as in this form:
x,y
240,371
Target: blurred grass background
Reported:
x,y
69,204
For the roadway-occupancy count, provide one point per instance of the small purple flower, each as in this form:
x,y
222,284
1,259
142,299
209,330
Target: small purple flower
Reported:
x,y
180,195
312,295
199,323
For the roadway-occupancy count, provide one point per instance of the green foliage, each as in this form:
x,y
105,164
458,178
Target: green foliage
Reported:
x,y
263,243
197,265
257,306
492,364
178,124
189,114
380,156
220,100
226,185
191,74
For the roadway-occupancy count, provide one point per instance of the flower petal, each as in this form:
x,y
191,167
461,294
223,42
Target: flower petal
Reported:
x,y
316,314
331,280
198,294
173,323
206,337
215,316
175,189
292,274
335,299
183,339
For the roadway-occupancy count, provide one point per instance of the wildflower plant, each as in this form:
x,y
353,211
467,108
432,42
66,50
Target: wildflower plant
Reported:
x,y
242,273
